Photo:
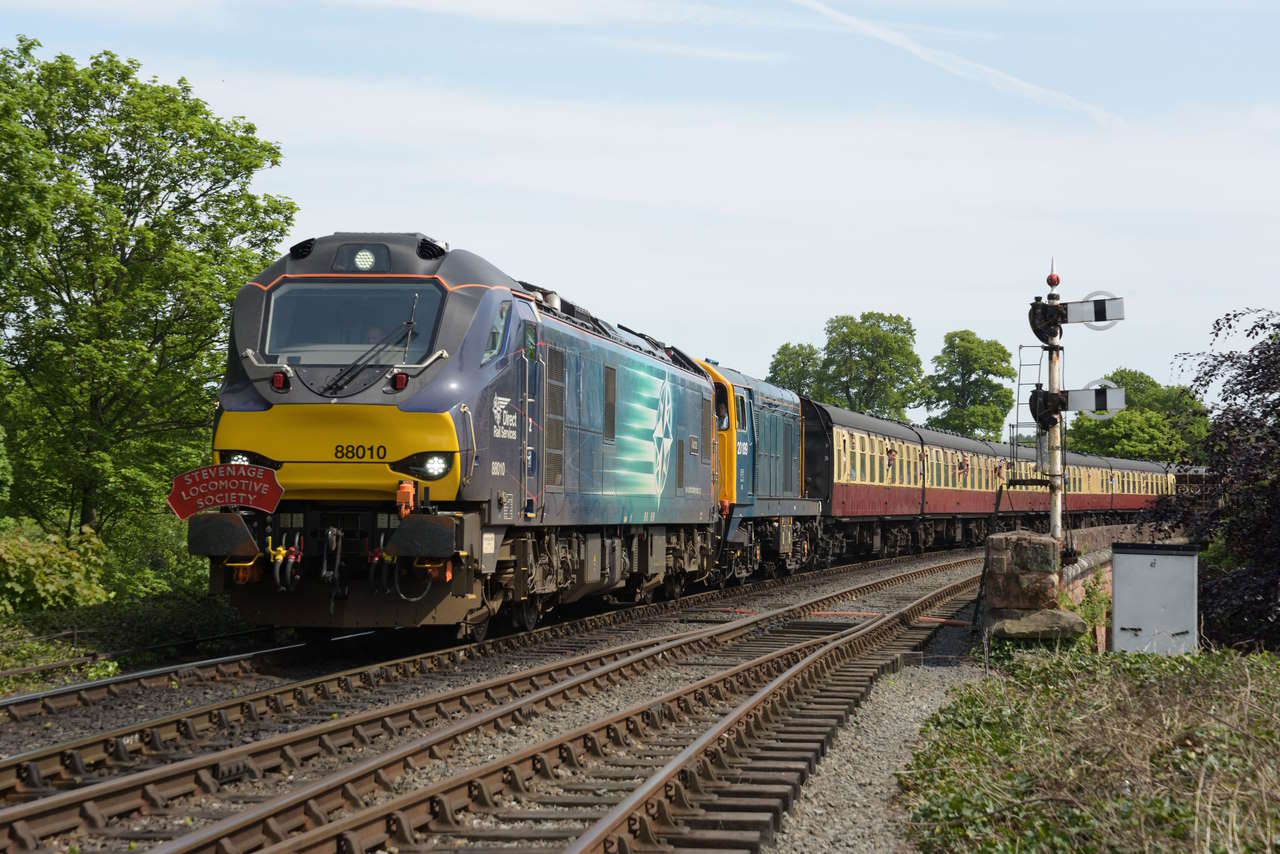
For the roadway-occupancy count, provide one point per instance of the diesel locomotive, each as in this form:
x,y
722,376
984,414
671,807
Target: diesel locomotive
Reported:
x,y
454,444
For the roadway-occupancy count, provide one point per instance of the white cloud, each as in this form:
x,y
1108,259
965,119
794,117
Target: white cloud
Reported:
x,y
730,231
691,51
570,11
958,65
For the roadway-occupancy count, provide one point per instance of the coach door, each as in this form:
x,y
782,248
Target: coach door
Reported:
x,y
532,371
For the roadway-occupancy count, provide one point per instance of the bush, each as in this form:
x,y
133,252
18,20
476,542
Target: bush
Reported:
x,y
147,556
39,570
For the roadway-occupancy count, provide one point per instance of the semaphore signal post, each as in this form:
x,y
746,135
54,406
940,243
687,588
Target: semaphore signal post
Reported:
x,y
1047,315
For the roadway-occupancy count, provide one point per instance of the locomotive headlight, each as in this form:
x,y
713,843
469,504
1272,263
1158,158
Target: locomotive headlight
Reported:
x,y
364,259
246,458
426,466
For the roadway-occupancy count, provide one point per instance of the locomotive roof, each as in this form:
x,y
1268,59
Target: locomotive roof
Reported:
x,y
407,255
415,254
765,389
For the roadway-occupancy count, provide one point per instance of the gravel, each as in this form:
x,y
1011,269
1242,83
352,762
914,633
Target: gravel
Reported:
x,y
849,804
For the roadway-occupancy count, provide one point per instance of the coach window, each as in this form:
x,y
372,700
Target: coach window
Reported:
x,y
497,333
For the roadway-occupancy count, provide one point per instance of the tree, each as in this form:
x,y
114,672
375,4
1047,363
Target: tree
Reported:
x,y
6,471
1238,508
870,363
1176,435
127,223
797,367
1243,441
1185,413
965,386
1136,434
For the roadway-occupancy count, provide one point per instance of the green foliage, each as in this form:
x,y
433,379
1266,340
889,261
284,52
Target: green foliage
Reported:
x,y
870,364
797,367
39,570
150,557
1083,752
127,223
1163,423
1137,434
965,385
6,471
1094,607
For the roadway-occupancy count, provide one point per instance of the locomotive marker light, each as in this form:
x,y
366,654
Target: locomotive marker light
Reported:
x,y
1100,311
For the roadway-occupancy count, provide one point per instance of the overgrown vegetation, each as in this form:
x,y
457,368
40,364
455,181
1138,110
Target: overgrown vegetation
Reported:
x,y
1073,751
109,628
1094,606
40,570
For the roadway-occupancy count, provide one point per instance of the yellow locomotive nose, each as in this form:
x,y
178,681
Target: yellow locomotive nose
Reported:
x,y
344,452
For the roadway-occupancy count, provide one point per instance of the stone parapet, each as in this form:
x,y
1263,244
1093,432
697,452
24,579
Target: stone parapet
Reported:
x,y
1022,571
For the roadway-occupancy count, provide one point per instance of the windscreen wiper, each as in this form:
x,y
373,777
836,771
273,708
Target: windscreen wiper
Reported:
x,y
359,363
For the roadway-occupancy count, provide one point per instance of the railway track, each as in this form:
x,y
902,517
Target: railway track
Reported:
x,y
195,764
713,765
230,668
37,772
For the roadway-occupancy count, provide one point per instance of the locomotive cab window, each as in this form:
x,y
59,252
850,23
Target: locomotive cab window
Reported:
x,y
497,337
338,322
722,407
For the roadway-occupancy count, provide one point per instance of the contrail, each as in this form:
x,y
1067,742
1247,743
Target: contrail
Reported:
x,y
958,65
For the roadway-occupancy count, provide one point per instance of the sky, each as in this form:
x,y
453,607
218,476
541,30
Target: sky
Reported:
x,y
726,176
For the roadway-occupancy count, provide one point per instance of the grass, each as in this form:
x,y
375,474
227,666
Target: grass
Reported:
x,y
1072,751
112,627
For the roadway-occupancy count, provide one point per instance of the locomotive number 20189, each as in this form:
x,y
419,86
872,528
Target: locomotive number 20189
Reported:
x,y
359,452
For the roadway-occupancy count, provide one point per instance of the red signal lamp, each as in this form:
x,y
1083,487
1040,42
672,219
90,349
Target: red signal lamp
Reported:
x,y
280,381
399,380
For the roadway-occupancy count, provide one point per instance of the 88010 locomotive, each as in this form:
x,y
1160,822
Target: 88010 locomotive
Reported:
x,y
453,443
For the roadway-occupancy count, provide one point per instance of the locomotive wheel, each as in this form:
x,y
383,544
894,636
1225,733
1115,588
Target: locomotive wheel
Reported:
x,y
478,631
673,587
644,597
524,615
